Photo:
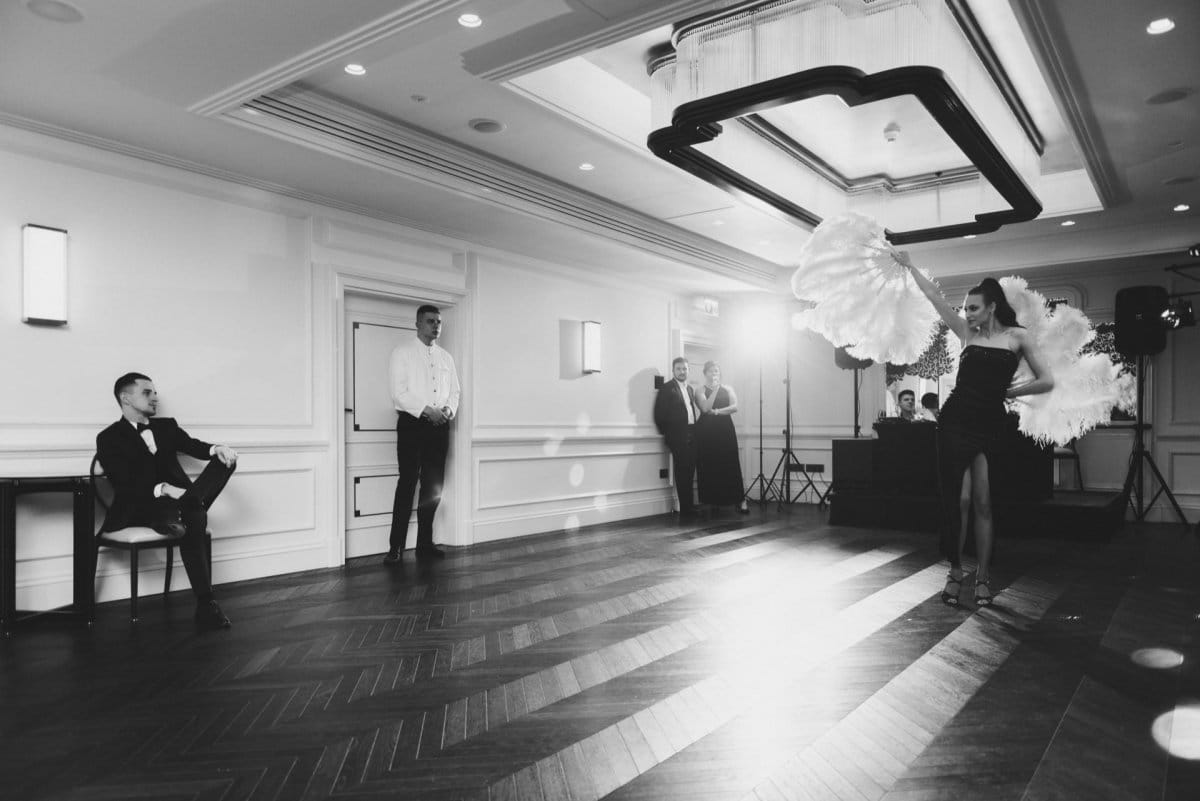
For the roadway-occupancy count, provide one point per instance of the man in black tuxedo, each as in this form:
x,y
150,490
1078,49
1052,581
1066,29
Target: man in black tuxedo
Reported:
x,y
139,454
675,415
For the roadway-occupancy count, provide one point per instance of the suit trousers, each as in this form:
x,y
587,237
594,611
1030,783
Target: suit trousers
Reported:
x,y
683,456
421,449
191,510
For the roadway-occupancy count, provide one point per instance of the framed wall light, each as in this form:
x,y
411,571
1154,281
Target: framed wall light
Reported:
x,y
44,276
591,346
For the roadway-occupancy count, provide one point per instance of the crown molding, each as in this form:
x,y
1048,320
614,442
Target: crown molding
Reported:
x,y
477,61
294,68
196,168
319,122
1043,29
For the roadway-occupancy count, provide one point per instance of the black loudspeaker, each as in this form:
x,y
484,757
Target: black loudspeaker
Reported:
x,y
847,362
1139,320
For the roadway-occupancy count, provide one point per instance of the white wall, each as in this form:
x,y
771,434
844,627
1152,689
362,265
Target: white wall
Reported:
x,y
554,448
232,300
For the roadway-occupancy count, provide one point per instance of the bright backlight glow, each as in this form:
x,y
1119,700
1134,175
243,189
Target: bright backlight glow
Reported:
x,y
1178,732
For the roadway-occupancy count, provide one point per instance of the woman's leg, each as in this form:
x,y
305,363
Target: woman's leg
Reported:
x,y
955,576
981,500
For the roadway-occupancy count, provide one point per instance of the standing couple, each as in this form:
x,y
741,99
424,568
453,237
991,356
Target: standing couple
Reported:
x,y
697,425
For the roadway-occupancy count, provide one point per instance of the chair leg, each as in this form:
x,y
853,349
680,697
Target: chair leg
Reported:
x,y
170,565
1079,475
133,584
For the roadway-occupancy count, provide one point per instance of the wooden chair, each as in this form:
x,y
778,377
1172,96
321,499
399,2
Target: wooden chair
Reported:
x,y
136,539
1068,453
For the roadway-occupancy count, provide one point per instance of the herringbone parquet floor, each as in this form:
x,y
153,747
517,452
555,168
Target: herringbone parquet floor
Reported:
x,y
762,658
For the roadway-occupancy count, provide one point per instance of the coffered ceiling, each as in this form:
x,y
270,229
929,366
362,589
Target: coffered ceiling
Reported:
x,y
480,133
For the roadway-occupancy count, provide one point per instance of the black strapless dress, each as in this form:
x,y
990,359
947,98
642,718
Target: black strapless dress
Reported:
x,y
971,421
718,460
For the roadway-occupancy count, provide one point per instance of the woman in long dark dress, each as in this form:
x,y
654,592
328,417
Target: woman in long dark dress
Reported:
x,y
718,461
973,417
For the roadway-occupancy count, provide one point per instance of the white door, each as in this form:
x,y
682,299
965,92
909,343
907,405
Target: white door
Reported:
x,y
374,326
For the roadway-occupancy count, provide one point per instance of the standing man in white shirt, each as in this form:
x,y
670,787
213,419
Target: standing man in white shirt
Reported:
x,y
425,392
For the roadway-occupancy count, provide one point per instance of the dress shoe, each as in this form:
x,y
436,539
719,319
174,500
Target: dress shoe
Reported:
x,y
174,529
743,509
209,617
392,558
432,552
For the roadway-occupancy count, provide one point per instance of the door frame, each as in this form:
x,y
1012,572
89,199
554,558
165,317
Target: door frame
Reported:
x,y
362,282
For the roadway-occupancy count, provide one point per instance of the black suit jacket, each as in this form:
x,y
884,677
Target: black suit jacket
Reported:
x,y
134,472
670,416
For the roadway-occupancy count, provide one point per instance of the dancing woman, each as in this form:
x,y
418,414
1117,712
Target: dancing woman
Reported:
x,y
972,418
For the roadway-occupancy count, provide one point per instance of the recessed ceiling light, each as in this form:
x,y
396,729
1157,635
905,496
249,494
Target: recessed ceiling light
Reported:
x,y
969,236
55,10
1160,26
1182,207
355,69
587,167
483,125
470,20
253,112
1067,223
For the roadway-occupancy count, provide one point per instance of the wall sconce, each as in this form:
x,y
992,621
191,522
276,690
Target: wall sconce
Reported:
x,y
591,346
44,288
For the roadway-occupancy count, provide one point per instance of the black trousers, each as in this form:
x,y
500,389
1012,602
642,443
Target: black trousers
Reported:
x,y
421,449
683,456
192,511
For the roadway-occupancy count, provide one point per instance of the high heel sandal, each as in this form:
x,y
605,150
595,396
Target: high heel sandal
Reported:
x,y
984,600
951,598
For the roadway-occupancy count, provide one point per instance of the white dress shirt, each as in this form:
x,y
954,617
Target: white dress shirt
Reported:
x,y
423,375
687,402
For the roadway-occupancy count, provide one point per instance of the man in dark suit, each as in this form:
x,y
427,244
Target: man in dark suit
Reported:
x,y
139,454
675,415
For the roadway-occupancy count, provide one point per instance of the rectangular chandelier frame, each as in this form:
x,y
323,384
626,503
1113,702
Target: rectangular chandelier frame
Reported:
x,y
699,121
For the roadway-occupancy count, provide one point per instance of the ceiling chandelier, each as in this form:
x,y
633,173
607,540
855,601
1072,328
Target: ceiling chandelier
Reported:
x,y
897,109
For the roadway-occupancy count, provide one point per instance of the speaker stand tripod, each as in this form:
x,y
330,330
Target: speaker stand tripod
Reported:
x,y
1134,488
788,463
760,481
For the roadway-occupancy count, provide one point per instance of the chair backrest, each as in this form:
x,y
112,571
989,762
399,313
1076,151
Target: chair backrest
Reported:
x,y
101,489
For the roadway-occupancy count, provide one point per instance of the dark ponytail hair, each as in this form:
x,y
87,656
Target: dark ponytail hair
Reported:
x,y
991,292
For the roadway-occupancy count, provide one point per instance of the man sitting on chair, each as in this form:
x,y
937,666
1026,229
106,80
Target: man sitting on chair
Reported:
x,y
139,454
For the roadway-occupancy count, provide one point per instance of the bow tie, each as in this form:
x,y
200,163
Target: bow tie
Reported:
x,y
143,427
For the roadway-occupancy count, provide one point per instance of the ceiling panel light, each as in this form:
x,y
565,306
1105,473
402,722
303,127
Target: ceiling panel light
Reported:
x,y
1160,26
587,167
1182,207
356,69
470,20
1067,223
969,236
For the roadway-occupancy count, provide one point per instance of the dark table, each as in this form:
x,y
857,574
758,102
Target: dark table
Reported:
x,y
83,502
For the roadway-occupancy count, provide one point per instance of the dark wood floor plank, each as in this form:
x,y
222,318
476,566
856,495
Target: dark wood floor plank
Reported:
x,y
766,658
